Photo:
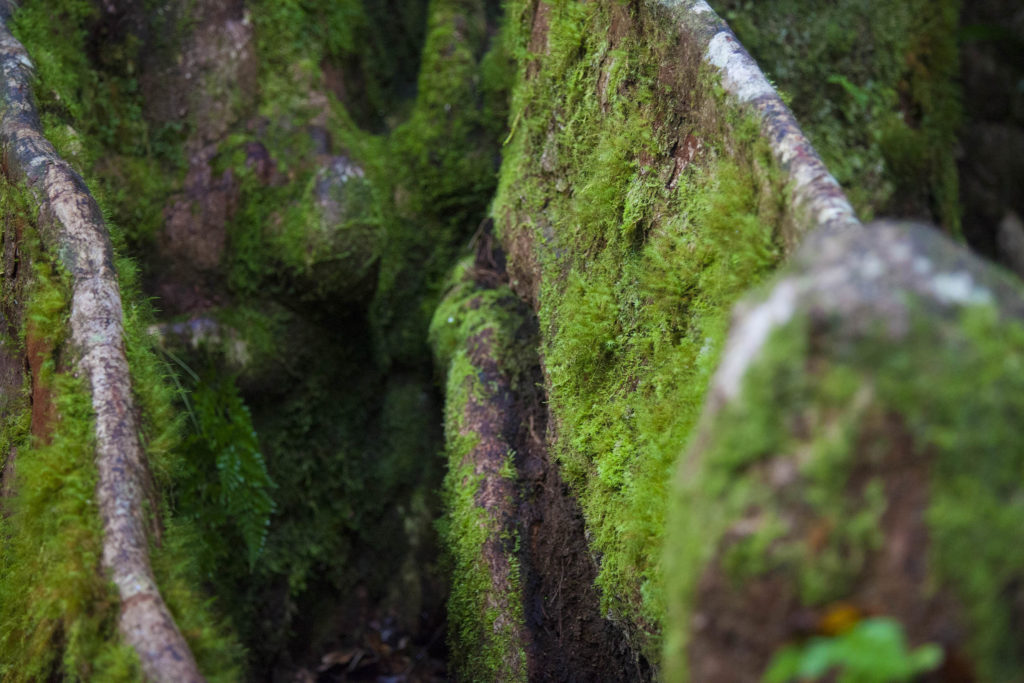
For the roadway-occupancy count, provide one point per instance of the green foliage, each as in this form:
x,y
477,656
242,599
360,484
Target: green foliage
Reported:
x,y
874,86
224,487
132,173
873,651
283,244
375,45
325,444
293,37
102,101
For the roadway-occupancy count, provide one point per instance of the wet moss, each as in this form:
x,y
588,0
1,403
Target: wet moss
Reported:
x,y
641,256
485,627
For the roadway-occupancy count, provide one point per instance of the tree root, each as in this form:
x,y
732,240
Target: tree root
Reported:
x,y
72,225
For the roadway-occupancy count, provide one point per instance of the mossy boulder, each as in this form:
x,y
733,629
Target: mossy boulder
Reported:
x,y
858,458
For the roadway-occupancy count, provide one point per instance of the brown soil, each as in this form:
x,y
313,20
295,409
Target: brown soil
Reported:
x,y
572,641
372,645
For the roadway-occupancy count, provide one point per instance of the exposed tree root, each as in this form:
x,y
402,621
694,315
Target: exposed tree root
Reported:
x,y
73,227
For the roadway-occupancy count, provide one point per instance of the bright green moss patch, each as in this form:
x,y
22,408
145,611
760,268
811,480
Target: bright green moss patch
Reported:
x,y
57,613
874,87
952,384
641,258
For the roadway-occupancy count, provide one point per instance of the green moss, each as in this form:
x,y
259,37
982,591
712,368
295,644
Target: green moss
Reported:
x,y
328,437
52,587
482,645
484,640
952,384
874,86
92,111
57,613
640,263
439,170
132,173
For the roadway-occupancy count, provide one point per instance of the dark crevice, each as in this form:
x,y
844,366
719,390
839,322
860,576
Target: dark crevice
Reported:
x,y
991,163
569,639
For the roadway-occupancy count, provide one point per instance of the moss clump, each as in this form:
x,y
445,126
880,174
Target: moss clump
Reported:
x,y
58,612
91,110
112,143
874,86
641,257
953,385
485,642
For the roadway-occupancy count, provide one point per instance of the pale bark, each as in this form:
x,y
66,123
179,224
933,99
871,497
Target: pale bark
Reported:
x,y
72,227
816,198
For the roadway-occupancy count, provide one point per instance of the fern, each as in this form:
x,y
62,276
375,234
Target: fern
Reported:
x,y
226,488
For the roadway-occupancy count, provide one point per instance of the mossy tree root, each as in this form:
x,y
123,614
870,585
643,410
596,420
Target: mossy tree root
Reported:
x,y
477,338
816,197
857,457
72,226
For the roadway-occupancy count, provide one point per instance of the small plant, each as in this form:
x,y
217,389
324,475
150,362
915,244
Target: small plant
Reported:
x,y
872,651
225,488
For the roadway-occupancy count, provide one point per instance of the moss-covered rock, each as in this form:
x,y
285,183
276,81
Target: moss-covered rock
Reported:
x,y
858,457
875,87
439,167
